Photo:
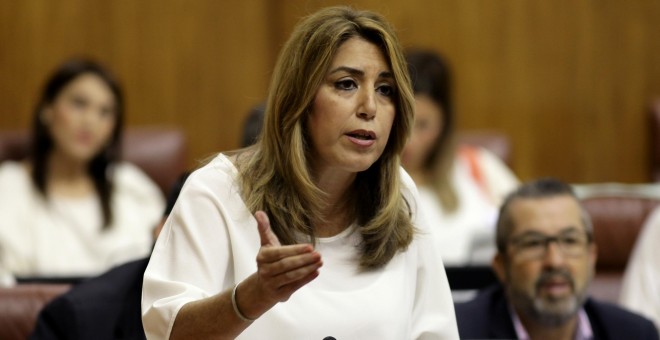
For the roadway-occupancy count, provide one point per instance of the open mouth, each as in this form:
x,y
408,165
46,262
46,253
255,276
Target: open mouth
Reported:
x,y
363,135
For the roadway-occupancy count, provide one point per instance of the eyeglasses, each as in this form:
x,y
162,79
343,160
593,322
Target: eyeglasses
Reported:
x,y
534,245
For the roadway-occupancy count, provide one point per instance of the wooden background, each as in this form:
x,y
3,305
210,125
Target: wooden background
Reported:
x,y
568,81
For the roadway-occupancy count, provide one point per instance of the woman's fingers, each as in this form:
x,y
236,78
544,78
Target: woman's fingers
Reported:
x,y
268,238
288,264
287,290
274,254
285,284
283,269
296,275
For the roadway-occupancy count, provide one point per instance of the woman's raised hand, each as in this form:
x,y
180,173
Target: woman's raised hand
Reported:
x,y
282,270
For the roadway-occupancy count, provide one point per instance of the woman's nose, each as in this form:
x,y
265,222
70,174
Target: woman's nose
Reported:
x,y
368,106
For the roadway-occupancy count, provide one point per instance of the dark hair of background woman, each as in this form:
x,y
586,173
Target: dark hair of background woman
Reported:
x,y
42,142
431,76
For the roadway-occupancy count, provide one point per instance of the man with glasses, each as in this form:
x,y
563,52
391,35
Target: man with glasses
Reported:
x,y
545,261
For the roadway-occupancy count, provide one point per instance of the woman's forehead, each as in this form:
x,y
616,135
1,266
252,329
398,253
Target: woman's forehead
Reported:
x,y
360,54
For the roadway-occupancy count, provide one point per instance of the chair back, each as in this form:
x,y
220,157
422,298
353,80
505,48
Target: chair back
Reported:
x,y
617,221
20,305
159,151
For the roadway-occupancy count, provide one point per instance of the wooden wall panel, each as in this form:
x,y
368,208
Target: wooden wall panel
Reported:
x,y
569,81
196,64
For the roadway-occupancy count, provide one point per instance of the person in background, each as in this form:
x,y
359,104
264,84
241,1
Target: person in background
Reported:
x,y
252,125
640,291
312,232
72,208
104,307
460,187
545,262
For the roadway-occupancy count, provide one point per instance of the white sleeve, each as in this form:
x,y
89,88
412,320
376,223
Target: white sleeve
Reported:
x,y
133,182
433,308
640,291
138,206
191,258
15,232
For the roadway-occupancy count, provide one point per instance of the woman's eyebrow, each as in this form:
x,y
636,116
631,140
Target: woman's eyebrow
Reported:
x,y
349,70
356,72
386,74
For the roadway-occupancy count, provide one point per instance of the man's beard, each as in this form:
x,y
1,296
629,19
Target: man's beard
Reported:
x,y
549,311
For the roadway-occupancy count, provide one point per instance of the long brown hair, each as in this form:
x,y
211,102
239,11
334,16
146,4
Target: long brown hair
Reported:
x,y
276,177
42,141
431,76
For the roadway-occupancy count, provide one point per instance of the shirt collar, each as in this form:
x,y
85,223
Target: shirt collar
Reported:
x,y
583,330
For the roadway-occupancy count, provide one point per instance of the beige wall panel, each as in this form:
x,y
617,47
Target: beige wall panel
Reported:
x,y
568,81
196,64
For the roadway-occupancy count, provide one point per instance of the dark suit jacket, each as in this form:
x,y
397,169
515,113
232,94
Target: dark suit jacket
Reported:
x,y
487,317
105,307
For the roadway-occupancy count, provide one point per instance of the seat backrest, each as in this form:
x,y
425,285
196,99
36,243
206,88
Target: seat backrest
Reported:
x,y
14,145
494,141
160,152
617,220
20,305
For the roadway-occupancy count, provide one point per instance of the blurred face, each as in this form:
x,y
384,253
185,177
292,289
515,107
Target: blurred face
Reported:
x,y
82,117
549,260
425,134
353,110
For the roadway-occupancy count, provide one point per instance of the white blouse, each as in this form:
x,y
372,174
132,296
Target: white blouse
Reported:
x,y
210,243
62,236
640,291
467,235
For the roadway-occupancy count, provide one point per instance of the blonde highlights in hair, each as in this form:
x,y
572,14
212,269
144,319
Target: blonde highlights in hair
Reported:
x,y
275,172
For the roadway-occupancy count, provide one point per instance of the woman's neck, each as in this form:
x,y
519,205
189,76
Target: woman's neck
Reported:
x,y
337,213
67,176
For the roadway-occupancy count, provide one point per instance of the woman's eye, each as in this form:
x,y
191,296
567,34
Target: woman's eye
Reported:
x,y
345,85
107,112
386,90
78,102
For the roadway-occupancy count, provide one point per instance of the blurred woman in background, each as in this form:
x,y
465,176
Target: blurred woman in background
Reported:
x,y
460,188
71,208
